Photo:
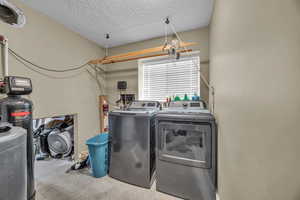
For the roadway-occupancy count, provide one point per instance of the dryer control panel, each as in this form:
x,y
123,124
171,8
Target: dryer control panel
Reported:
x,y
187,104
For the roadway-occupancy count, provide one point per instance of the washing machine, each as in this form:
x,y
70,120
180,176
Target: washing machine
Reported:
x,y
132,146
186,151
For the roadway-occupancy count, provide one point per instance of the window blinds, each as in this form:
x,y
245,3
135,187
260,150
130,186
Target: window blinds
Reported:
x,y
164,78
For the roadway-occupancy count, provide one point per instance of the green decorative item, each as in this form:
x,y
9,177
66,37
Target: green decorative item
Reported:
x,y
186,98
177,98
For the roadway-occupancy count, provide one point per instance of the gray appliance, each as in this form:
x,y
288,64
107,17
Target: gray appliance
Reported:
x,y
13,173
132,147
60,142
186,151
18,111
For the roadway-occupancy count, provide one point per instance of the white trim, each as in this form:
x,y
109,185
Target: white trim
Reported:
x,y
140,79
217,197
163,57
142,62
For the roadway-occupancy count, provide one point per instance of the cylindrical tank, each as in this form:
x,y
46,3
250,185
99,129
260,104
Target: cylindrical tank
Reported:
x,y
13,163
18,112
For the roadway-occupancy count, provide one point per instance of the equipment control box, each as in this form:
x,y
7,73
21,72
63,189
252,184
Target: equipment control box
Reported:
x,y
14,85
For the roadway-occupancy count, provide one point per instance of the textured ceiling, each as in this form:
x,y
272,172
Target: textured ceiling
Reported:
x,y
126,20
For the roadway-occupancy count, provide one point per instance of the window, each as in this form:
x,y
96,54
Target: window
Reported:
x,y
167,77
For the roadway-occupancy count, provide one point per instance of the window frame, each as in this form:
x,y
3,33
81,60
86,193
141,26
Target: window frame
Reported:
x,y
141,63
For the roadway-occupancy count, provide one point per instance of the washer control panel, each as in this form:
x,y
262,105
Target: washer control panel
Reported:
x,y
144,104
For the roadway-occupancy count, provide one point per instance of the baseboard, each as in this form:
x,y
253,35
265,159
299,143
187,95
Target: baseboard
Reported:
x,y
217,197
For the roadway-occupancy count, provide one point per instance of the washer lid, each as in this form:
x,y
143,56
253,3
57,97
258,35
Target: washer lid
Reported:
x,y
144,105
134,112
140,108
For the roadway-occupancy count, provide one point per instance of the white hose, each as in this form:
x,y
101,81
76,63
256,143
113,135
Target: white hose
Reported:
x,y
4,53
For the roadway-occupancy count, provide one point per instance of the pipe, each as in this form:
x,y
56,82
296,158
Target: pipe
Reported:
x,y
4,49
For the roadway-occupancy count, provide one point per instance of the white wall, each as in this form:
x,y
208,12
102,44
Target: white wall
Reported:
x,y
255,68
115,73
49,43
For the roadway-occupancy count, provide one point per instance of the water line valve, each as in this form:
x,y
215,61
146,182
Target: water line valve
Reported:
x,y
4,53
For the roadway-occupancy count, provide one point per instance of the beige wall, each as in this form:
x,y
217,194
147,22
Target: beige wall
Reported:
x,y
49,43
131,75
255,68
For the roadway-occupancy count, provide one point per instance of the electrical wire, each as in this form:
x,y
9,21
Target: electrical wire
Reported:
x,y
95,77
22,61
29,65
166,34
44,74
98,67
46,68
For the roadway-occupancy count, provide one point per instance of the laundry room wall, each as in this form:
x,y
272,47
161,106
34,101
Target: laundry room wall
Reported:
x,y
128,71
255,69
48,43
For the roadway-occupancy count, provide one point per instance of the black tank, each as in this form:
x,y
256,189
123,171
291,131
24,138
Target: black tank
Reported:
x,y
18,111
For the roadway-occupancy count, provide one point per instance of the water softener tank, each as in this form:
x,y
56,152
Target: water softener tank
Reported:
x,y
18,111
13,162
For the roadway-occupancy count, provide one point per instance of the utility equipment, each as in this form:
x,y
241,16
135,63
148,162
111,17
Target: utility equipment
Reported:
x,y
15,109
18,111
13,162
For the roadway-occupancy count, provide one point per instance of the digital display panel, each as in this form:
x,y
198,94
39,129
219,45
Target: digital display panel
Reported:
x,y
195,104
21,82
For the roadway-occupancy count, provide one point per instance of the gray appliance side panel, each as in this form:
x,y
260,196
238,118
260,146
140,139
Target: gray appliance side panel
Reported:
x,y
152,153
129,160
214,171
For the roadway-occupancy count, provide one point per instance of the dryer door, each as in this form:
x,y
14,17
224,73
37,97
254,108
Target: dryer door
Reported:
x,y
184,143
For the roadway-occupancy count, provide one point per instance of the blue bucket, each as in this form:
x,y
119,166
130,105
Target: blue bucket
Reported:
x,y
98,152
